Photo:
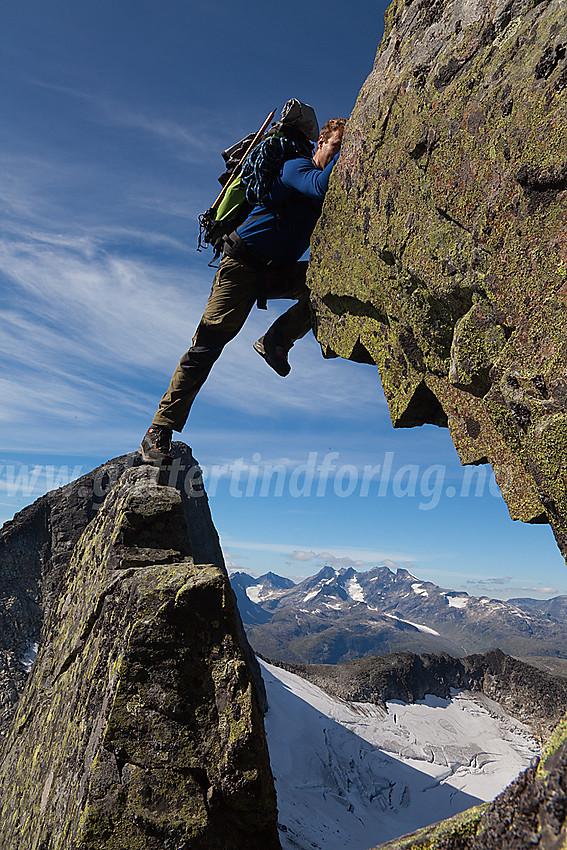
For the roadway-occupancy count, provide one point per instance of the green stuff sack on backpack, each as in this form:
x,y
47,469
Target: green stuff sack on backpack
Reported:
x,y
230,213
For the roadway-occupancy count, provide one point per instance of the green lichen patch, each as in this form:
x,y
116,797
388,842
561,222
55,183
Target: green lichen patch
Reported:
x,y
477,341
557,742
140,725
446,217
448,834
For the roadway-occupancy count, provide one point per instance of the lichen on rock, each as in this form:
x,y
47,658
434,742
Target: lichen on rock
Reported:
x,y
441,256
140,725
441,253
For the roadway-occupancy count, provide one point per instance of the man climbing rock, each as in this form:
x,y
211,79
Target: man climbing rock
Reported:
x,y
260,260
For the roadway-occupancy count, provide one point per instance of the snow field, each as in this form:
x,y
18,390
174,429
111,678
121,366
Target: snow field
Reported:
x,y
350,776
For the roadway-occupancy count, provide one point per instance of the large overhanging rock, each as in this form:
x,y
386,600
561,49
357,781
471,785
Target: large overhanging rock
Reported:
x,y
441,254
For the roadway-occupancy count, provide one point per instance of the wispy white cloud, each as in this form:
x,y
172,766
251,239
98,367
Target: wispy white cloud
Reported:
x,y
195,136
191,142
396,565
356,554
491,582
101,298
509,586
26,184
84,322
48,193
328,558
301,555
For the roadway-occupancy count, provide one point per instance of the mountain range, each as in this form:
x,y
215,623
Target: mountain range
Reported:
x,y
338,615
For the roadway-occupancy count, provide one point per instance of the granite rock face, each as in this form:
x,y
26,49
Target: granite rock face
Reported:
x,y
140,725
441,254
35,549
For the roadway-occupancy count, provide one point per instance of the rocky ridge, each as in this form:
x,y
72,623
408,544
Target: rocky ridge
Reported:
x,y
140,723
526,693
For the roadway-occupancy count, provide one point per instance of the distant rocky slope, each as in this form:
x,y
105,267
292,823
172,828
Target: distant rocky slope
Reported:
x,y
140,724
338,615
441,254
526,693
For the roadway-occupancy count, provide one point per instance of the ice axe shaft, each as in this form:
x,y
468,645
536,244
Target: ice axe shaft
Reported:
x,y
252,144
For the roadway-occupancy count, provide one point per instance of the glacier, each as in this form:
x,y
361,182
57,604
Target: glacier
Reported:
x,y
352,775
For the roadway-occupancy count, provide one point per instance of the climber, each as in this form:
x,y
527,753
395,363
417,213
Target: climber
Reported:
x,y
261,259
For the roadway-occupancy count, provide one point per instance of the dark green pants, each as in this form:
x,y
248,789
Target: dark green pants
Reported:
x,y
232,297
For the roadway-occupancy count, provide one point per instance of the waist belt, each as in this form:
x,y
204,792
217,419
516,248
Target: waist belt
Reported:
x,y
237,249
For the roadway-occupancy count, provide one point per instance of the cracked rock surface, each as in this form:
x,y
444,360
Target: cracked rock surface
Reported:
x,y
441,254
140,724
35,549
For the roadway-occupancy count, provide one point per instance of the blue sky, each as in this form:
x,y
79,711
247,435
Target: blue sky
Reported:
x,y
114,118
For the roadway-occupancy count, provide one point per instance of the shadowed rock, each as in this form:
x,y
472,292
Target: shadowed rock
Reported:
x,y
441,252
445,222
140,723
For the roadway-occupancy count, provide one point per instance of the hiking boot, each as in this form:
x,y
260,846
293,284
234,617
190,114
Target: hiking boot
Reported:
x,y
274,355
156,445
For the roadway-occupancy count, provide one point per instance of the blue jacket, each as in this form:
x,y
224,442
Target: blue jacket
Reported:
x,y
281,227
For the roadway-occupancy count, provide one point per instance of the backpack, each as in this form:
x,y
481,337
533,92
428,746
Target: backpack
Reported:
x,y
264,162
252,184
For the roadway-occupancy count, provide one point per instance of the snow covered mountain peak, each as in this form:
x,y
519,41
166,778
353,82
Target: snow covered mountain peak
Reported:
x,y
339,614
